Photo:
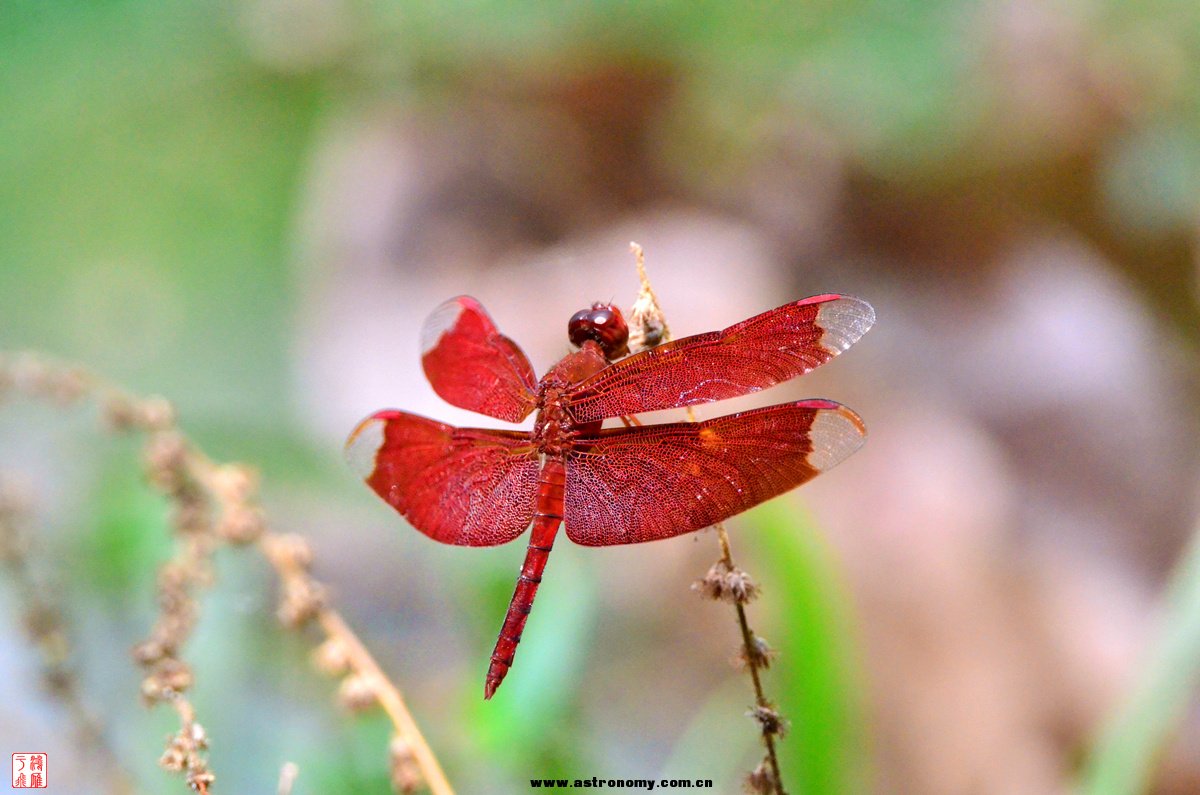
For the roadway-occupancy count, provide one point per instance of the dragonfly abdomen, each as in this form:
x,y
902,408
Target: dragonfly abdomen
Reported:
x,y
541,540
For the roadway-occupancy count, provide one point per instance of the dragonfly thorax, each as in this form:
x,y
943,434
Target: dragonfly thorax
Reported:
x,y
552,429
555,428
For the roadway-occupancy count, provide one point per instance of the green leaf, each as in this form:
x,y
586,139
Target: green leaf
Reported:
x,y
1124,755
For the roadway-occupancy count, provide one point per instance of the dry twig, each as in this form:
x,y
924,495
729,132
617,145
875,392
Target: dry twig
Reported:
x,y
215,504
46,628
724,581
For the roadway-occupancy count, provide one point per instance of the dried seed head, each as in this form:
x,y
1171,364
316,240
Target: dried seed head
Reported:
x,y
177,618
647,323
148,652
198,736
174,758
151,690
156,413
402,764
173,576
302,599
190,513
295,549
175,675
166,450
356,693
727,584
647,327
166,460
169,678
331,657
769,720
234,483
119,412
241,525
759,655
760,781
67,386
183,755
739,587
173,628
200,780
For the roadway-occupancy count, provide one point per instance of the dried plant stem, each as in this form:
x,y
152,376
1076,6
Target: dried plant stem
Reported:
x,y
389,698
648,327
215,504
188,746
753,659
754,655
45,626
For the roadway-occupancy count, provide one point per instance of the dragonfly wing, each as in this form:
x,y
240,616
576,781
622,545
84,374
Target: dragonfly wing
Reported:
x,y
464,486
629,485
757,353
472,365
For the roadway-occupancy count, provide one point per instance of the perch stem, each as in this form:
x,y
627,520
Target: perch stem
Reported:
x,y
649,327
389,699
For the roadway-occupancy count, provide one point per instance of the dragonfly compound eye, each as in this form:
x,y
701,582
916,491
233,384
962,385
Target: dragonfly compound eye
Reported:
x,y
603,323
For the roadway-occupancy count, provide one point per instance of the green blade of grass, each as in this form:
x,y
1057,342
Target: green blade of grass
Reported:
x,y
816,679
1123,758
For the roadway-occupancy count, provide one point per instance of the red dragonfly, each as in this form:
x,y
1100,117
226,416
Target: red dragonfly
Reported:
x,y
476,487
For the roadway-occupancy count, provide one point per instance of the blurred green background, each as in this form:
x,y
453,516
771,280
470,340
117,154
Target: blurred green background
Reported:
x,y
250,206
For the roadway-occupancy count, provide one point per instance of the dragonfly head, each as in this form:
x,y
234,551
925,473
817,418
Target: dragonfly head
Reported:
x,y
604,324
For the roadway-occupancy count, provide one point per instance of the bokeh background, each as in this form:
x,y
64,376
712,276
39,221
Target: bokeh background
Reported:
x,y
250,206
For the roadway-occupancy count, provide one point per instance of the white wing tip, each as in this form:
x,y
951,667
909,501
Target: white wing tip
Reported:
x,y
836,433
363,446
844,320
444,318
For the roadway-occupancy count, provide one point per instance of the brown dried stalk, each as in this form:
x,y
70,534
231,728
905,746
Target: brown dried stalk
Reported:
x,y
215,504
724,581
46,628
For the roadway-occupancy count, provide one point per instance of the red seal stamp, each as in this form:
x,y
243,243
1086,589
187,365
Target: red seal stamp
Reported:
x,y
28,771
